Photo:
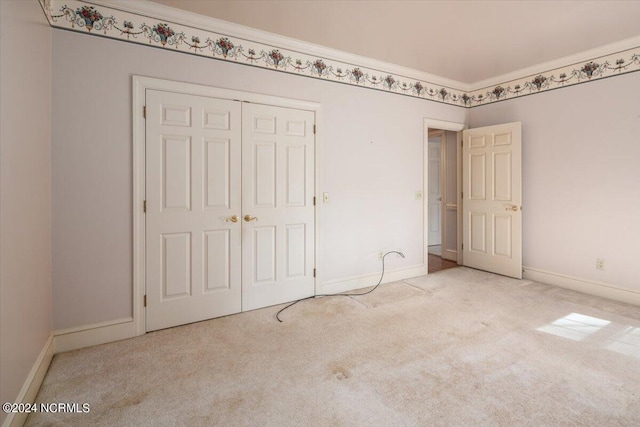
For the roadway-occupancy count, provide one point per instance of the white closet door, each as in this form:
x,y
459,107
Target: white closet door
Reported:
x,y
193,250
277,200
492,199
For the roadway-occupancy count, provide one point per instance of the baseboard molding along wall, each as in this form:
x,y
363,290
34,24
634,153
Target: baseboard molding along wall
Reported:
x,y
359,282
32,383
94,334
582,285
105,332
101,333
120,329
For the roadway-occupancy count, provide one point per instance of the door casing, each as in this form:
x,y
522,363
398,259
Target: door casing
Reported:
x,y
140,86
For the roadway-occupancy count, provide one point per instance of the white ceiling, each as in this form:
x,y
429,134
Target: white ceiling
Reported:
x,y
467,41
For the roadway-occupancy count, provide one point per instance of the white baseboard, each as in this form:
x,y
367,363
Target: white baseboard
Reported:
x,y
94,334
582,285
350,284
105,332
32,383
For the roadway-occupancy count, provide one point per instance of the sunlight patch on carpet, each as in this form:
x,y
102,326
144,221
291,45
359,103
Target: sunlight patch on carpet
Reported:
x,y
615,337
575,326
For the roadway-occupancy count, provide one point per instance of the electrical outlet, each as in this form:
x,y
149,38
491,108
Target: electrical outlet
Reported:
x,y
380,255
419,195
600,264
325,197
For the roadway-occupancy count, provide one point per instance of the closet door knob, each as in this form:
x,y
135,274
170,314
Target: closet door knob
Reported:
x,y
232,218
249,218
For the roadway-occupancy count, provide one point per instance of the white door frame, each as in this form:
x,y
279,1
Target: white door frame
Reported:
x,y
140,85
455,127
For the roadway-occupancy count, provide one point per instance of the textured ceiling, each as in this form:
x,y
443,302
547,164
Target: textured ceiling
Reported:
x,y
467,41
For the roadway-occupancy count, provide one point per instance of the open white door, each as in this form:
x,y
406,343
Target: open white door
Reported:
x,y
492,199
277,205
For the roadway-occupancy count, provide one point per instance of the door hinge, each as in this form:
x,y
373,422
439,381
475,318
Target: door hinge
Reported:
x,y
462,246
314,129
314,272
314,201
144,206
145,300
144,111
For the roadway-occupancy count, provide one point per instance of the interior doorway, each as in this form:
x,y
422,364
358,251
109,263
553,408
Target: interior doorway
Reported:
x,y
488,165
442,200
443,228
437,140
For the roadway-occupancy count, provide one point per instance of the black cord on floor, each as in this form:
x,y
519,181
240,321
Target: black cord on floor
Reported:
x,y
342,295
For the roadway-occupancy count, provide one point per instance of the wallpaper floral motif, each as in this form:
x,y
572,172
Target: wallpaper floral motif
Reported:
x,y
611,65
118,24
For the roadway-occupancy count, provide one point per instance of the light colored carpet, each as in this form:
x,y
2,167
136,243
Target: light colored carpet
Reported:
x,y
458,347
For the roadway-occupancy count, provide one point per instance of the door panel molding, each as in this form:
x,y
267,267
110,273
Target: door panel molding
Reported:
x,y
212,119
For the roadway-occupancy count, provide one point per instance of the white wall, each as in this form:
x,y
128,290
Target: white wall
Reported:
x,y
25,192
581,177
370,156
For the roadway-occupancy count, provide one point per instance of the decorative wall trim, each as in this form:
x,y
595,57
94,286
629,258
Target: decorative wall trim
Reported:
x,y
145,8
580,72
582,285
546,67
114,22
32,384
159,26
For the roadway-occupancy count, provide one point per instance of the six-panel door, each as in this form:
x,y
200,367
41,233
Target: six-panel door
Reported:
x,y
277,196
492,199
193,254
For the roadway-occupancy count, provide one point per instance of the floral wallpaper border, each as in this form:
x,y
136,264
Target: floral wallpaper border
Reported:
x,y
100,20
605,66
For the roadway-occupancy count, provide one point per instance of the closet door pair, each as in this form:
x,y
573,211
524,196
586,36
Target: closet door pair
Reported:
x,y
229,207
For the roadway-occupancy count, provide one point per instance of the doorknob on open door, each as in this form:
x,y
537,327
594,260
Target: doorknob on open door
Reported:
x,y
233,218
513,208
249,218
